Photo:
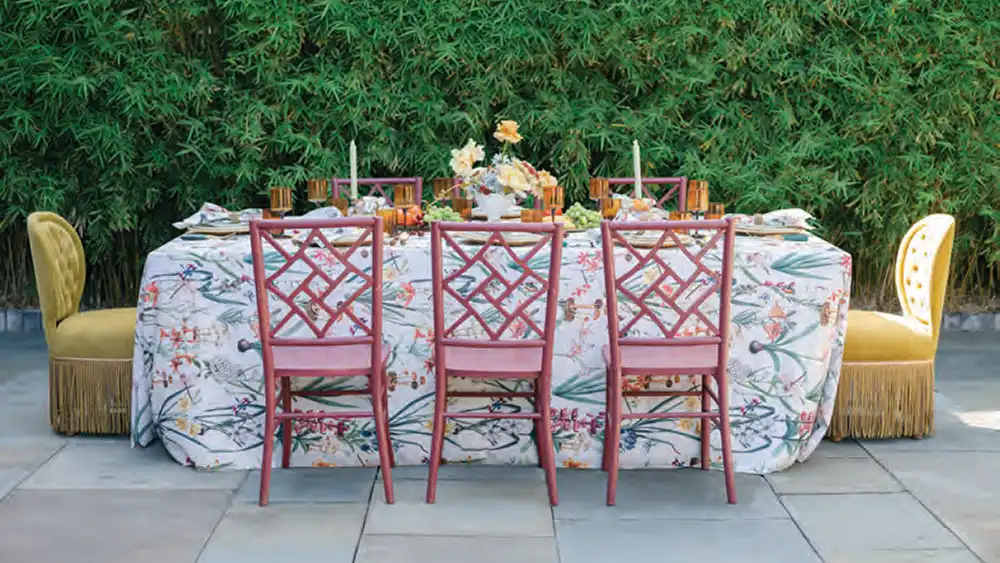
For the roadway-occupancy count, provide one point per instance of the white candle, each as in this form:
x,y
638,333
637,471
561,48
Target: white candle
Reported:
x,y
637,169
354,171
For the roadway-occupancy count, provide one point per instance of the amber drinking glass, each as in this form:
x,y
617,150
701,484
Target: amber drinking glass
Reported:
x,y
317,191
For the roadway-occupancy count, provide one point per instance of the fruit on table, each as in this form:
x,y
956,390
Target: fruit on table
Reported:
x,y
442,214
582,217
409,218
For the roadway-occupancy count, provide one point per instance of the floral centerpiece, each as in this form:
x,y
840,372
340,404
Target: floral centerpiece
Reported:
x,y
498,187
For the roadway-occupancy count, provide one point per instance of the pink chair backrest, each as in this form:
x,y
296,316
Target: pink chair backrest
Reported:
x,y
675,186
504,317
653,282
319,284
380,187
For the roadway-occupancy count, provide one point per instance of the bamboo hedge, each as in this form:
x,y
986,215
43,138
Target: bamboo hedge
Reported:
x,y
126,115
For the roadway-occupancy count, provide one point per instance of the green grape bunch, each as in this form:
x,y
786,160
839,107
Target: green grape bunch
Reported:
x,y
442,214
582,217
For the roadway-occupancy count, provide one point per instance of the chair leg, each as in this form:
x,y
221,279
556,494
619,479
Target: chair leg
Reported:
x,y
267,458
392,452
437,435
608,405
543,435
383,437
286,425
727,451
612,436
706,424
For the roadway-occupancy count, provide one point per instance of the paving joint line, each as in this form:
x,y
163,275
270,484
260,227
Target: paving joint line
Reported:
x,y
794,522
368,510
933,514
30,474
233,495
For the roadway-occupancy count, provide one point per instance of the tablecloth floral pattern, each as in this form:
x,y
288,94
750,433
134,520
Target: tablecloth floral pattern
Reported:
x,y
197,383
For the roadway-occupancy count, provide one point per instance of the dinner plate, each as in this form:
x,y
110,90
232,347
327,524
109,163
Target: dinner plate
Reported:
x,y
513,212
221,229
513,239
649,240
766,230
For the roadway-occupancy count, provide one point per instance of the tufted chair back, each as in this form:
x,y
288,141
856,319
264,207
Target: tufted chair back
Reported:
x,y
922,266
60,267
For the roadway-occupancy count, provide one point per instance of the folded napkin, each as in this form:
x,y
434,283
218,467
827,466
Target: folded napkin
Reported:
x,y
212,214
368,205
790,218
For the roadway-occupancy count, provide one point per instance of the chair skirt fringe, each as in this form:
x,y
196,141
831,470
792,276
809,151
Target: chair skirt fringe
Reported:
x,y
90,396
884,400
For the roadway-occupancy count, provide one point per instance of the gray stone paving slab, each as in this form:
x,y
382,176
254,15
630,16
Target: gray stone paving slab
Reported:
x,y
24,411
113,464
860,524
834,475
746,541
9,478
107,526
464,508
472,472
963,490
908,556
28,454
312,485
951,434
844,448
286,532
664,493
444,549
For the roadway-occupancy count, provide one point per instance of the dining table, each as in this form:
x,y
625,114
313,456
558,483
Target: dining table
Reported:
x,y
198,382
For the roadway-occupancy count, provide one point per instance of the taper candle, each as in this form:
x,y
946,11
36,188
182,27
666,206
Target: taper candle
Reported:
x,y
637,169
354,171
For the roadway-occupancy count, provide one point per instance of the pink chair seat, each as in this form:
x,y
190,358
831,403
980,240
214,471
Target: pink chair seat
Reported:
x,y
330,361
493,363
667,360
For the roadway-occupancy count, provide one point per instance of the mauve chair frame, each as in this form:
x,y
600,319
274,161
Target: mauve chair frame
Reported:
x,y
344,185
679,183
610,235
441,233
260,230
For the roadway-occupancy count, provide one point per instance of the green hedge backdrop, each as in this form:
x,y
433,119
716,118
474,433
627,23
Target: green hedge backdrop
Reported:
x,y
125,116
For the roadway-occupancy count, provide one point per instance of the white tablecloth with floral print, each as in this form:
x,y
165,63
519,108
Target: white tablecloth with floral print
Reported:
x,y
198,379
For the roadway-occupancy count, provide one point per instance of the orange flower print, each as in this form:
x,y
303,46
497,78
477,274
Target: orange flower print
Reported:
x,y
574,464
406,293
151,294
772,329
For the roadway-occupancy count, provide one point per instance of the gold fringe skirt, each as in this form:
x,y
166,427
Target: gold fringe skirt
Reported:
x,y
90,396
884,400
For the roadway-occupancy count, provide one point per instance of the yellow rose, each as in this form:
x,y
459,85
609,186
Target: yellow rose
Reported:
x,y
510,177
547,179
507,132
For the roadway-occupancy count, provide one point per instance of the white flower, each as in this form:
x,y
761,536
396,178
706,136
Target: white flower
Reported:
x,y
545,178
463,159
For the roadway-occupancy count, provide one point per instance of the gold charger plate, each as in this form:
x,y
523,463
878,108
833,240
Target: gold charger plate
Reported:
x,y
511,213
221,229
767,230
513,239
650,241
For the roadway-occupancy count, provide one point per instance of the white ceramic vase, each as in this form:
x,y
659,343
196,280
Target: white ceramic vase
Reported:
x,y
494,205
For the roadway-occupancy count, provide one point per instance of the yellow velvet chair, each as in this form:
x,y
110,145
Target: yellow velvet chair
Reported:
x,y
90,353
886,385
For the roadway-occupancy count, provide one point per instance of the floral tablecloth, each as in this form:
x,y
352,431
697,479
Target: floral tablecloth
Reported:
x,y
197,383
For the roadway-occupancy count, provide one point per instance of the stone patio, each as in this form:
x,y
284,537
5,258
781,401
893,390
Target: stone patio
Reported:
x,y
83,500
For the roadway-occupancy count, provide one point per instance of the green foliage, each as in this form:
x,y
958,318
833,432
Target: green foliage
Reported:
x,y
125,116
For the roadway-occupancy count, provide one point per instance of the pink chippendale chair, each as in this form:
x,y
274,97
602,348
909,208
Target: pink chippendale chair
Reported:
x,y
675,187
380,187
321,354
670,353
497,354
